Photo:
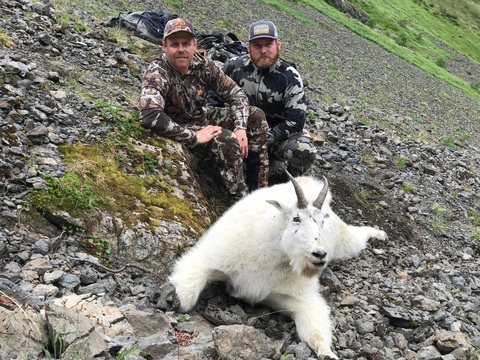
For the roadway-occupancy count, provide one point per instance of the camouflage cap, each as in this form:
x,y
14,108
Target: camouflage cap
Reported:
x,y
176,25
262,29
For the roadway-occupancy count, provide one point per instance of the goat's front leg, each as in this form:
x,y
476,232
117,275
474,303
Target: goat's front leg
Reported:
x,y
312,319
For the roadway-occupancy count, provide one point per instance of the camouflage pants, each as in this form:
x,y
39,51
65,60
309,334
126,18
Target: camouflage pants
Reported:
x,y
238,176
296,154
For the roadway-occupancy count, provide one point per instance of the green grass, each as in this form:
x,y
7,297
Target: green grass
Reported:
x,y
475,216
437,209
407,187
451,140
418,31
224,24
176,4
401,163
362,196
6,40
98,8
285,7
117,169
128,351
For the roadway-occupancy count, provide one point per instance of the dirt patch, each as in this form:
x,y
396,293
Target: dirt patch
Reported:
x,y
361,200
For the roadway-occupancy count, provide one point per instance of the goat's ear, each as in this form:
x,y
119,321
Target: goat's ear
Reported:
x,y
276,204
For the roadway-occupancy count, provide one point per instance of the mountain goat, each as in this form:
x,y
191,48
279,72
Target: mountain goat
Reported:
x,y
270,247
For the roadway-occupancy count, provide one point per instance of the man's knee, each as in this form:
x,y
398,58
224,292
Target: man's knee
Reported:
x,y
299,154
257,122
300,163
226,147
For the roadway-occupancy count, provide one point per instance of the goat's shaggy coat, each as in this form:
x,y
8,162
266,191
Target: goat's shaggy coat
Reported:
x,y
270,247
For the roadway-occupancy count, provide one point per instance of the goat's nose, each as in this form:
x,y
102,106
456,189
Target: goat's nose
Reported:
x,y
320,255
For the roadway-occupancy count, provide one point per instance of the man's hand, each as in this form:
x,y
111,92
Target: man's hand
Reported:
x,y
241,135
207,133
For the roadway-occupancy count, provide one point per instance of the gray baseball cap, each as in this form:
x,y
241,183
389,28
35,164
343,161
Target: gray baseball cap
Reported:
x,y
262,29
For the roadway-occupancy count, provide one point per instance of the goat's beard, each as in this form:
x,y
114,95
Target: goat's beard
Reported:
x,y
305,268
310,271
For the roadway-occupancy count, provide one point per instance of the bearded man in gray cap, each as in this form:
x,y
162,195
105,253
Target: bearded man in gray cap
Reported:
x,y
173,103
275,86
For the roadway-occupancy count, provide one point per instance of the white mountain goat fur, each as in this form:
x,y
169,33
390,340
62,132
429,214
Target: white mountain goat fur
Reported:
x,y
270,247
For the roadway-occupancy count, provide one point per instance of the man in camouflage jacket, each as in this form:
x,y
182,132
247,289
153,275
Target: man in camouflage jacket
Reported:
x,y
275,86
173,103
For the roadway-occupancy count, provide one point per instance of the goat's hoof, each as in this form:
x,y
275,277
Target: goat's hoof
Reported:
x,y
381,235
168,299
328,357
326,354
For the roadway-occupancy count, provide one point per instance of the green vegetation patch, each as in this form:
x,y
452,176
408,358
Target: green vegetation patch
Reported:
x,y
99,8
5,39
176,4
285,7
451,140
96,180
362,196
474,216
418,31
122,175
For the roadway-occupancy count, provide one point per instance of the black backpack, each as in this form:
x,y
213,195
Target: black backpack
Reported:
x,y
148,25
220,47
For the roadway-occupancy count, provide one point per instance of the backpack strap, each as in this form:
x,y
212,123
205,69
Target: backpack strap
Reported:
x,y
232,36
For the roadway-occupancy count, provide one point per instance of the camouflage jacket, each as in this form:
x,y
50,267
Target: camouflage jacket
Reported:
x,y
278,91
174,105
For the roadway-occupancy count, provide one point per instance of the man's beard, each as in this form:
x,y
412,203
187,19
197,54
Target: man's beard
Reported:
x,y
265,62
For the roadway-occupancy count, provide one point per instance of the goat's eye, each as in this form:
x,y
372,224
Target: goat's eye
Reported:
x,y
297,219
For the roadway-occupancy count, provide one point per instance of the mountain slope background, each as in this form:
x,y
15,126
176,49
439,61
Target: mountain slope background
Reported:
x,y
385,78
401,152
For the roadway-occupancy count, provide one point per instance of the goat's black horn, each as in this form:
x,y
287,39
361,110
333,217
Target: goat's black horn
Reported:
x,y
323,194
302,200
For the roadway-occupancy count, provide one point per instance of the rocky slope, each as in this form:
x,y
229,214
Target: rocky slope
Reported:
x,y
414,296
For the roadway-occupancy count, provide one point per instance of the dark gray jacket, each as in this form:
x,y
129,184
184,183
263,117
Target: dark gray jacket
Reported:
x,y
278,91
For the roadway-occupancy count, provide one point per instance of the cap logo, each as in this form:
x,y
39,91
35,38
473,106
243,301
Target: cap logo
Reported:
x,y
261,29
179,24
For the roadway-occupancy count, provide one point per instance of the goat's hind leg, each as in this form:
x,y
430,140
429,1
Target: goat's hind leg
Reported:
x,y
354,239
368,232
190,276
